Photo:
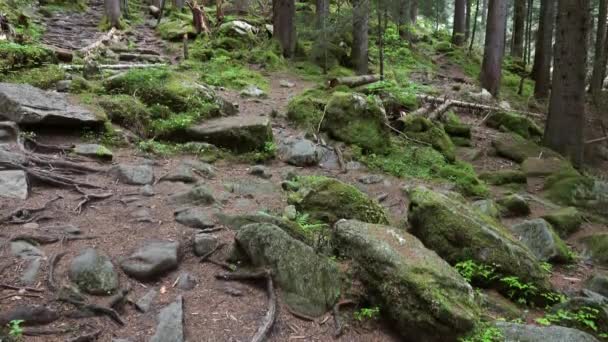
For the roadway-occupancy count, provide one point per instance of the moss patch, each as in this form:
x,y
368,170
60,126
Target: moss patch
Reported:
x,y
45,77
13,56
129,112
425,130
465,179
515,123
306,109
565,221
502,177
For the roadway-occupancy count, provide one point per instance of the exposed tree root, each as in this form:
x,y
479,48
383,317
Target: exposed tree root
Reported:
x,y
87,337
35,146
211,252
90,310
336,312
89,197
25,215
118,300
27,331
16,288
50,278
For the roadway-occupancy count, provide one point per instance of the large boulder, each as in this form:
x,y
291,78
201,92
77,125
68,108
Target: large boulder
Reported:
x,y
197,195
572,189
513,205
565,221
540,238
14,184
425,298
542,167
458,232
27,105
518,149
356,119
309,282
328,200
239,134
596,247
152,260
94,273
515,332
515,123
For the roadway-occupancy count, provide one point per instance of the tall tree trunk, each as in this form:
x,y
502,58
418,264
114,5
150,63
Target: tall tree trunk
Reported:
x,y
474,27
459,22
494,46
565,122
413,11
403,19
467,30
112,8
599,63
380,10
359,52
484,12
528,40
179,4
322,12
283,19
519,21
541,72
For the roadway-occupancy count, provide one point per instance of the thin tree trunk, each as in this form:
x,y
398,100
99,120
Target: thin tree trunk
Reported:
x,y
494,46
322,12
528,50
519,21
403,19
413,11
112,8
565,122
283,19
599,63
379,9
459,29
359,52
541,72
474,27
467,31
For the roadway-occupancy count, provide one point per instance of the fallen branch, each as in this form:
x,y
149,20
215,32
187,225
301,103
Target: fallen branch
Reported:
x,y
438,112
16,288
45,332
20,295
70,67
353,81
404,136
593,141
476,106
101,41
88,197
255,275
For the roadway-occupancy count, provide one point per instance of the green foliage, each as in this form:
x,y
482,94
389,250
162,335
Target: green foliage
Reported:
x,y
484,333
518,290
226,72
584,318
15,329
45,77
175,25
306,109
305,222
472,271
465,179
367,313
547,267
129,112
13,56
205,152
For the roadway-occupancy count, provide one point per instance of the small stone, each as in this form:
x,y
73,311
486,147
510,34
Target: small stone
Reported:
x,y
233,291
31,225
286,84
371,179
253,91
144,303
93,151
133,174
25,250
204,243
186,281
198,195
94,273
14,184
142,215
290,212
513,205
63,86
152,260
170,323
147,190
195,218
260,171
300,152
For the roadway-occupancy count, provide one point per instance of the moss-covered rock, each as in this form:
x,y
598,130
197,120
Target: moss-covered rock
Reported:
x,y
45,77
328,200
465,179
425,130
13,56
359,120
596,247
310,283
573,189
129,112
540,238
425,298
458,232
457,130
306,109
565,221
578,312
461,142
542,167
94,273
487,207
502,177
518,149
513,205
176,26
515,123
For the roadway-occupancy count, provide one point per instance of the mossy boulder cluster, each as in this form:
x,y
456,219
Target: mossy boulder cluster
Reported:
x,y
13,56
425,130
573,189
328,200
425,298
510,122
514,147
596,247
458,232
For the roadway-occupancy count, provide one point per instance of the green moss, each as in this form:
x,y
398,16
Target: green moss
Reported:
x,y
513,205
81,85
597,247
518,149
465,179
45,77
13,56
129,112
306,109
423,129
565,221
514,123
224,71
328,200
461,142
502,177
175,26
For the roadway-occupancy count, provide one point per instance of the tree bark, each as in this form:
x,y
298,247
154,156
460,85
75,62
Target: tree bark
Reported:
x,y
283,18
494,46
403,19
359,53
519,21
541,72
413,11
113,12
322,12
467,31
565,122
474,27
599,63
178,4
459,28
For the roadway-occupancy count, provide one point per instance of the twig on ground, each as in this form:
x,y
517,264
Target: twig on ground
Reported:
x,y
20,295
17,288
404,136
25,215
44,332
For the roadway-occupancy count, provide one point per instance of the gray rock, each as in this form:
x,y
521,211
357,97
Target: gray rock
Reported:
x,y
64,229
187,171
133,174
290,212
354,165
300,152
370,179
598,283
286,84
309,282
25,104
9,132
170,326
30,273
203,243
251,187
152,260
195,218
147,190
540,238
238,28
186,281
253,91
198,195
514,332
32,255
93,151
93,272
144,303
14,184
63,86
513,205
240,134
260,171
142,215
487,207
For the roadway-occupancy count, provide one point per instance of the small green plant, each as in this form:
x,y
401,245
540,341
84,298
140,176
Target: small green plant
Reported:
x,y
519,290
15,329
486,333
470,271
366,313
585,317
547,267
303,220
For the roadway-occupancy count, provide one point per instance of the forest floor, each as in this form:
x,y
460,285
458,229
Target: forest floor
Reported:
x,y
216,310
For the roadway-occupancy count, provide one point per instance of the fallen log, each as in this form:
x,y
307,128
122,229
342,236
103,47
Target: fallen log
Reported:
x,y
101,41
473,105
353,81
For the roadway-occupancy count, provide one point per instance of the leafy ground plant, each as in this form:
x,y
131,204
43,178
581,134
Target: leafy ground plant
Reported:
x,y
366,313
